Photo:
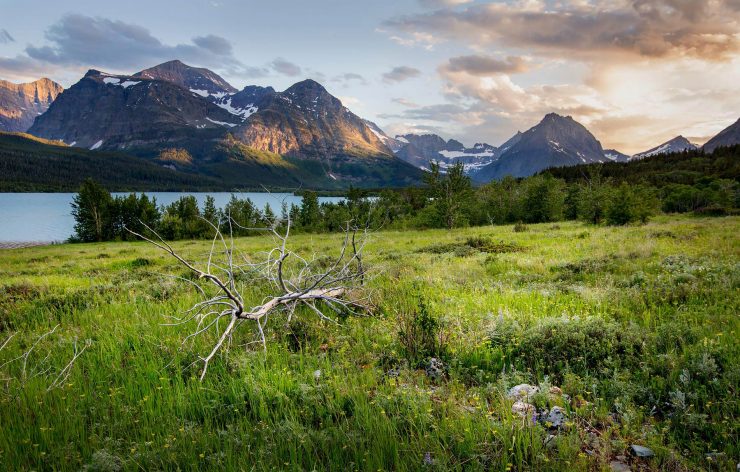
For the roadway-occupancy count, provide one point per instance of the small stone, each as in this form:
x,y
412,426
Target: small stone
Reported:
x,y
550,441
317,374
641,451
522,408
435,368
555,391
619,466
523,391
556,418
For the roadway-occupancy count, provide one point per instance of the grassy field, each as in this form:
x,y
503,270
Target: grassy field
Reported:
x,y
636,326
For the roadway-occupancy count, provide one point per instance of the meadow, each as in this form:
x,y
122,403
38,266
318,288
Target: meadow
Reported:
x,y
632,331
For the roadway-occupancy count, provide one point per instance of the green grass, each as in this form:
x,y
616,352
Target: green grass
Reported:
x,y
638,325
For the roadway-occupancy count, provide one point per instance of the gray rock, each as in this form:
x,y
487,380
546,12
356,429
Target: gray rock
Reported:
x,y
522,408
435,369
641,451
556,417
619,466
523,391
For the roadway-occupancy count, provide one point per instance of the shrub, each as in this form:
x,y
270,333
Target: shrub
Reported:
x,y
520,227
554,346
421,335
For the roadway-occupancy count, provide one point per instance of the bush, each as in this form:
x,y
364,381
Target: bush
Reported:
x,y
421,335
555,346
520,227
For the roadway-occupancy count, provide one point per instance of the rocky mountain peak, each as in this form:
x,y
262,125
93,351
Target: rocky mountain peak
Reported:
x,y
198,80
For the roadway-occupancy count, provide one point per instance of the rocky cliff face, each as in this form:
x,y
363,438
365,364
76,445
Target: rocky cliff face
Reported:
x,y
556,141
121,112
306,121
727,137
20,104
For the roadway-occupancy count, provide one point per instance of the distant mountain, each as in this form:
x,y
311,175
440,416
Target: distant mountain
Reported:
x,y
421,150
615,156
20,104
727,137
677,144
191,118
556,141
196,79
119,112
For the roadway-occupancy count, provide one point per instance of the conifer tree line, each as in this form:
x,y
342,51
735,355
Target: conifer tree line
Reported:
x,y
447,200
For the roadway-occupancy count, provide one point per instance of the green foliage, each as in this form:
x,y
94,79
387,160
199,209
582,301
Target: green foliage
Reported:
x,y
421,334
554,346
450,196
91,209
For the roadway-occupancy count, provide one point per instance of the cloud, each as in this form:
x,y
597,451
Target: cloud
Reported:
x,y
215,44
443,3
404,102
350,77
282,66
83,40
486,65
415,38
648,28
5,37
401,73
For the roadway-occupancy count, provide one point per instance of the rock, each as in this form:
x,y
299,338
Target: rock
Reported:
x,y
619,466
523,391
522,408
317,374
393,373
556,418
435,369
550,441
714,456
641,451
555,391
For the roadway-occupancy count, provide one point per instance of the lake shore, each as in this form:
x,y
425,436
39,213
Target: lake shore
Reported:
x,y
22,244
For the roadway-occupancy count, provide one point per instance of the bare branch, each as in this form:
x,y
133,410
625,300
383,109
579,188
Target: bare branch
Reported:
x,y
297,280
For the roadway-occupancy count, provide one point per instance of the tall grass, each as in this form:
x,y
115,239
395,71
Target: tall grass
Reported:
x,y
638,325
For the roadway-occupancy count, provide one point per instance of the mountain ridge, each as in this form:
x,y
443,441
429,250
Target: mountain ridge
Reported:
x,y
20,104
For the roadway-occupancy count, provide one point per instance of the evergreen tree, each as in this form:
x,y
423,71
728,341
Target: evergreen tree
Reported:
x,y
451,194
310,213
91,210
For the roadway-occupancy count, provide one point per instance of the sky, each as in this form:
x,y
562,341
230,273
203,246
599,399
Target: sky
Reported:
x,y
635,72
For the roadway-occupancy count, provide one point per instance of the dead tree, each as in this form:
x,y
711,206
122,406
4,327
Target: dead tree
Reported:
x,y
294,281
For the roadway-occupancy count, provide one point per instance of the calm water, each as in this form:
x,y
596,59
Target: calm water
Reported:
x,y
47,216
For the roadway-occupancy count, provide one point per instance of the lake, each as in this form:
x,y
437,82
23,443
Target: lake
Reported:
x,y
46,217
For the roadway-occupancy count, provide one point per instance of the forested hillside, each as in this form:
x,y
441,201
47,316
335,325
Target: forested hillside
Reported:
x,y
32,164
686,168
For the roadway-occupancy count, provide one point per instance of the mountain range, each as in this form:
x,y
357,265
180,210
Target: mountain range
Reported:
x,y
177,110
191,120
